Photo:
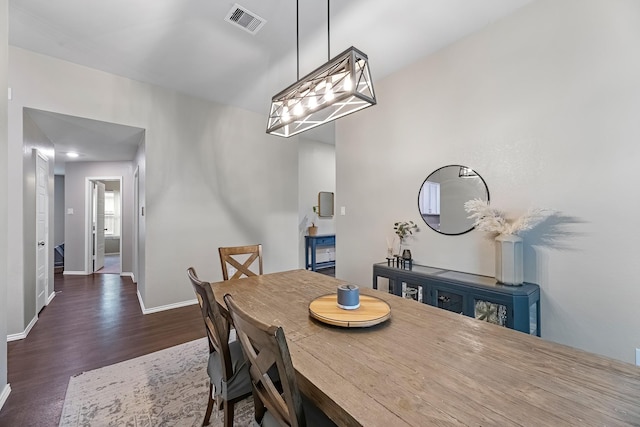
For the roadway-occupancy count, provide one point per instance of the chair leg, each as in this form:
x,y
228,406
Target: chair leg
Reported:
x,y
228,413
258,407
207,415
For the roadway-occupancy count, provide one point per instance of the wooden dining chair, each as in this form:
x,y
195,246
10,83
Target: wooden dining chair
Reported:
x,y
228,372
242,259
265,347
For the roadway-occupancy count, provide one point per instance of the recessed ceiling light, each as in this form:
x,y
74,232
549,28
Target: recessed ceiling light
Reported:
x,y
72,154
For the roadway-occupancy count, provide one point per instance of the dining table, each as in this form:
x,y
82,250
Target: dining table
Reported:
x,y
426,366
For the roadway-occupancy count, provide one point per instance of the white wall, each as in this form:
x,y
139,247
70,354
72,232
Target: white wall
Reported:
x,y
3,201
76,174
316,172
544,105
212,176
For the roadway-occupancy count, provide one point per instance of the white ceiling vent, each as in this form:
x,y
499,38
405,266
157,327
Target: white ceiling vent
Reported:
x,y
245,19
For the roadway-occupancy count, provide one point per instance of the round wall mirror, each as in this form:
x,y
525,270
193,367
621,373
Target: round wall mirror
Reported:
x,y
443,195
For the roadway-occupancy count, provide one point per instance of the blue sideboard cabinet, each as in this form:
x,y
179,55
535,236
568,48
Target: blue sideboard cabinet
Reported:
x,y
481,297
311,243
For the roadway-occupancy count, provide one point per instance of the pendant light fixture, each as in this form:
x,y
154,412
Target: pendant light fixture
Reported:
x,y
339,87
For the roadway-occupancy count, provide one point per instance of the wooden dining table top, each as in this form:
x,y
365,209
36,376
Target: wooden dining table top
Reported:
x,y
427,366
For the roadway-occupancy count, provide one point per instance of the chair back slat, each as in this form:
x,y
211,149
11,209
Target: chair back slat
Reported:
x,y
230,256
266,346
216,325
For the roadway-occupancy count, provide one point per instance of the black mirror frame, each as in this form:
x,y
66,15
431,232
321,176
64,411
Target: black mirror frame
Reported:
x,y
427,178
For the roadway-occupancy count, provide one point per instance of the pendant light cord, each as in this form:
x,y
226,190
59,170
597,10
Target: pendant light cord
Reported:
x,y
298,36
297,43
328,32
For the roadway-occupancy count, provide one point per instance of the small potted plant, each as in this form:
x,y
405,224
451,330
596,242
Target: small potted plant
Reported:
x,y
313,228
403,229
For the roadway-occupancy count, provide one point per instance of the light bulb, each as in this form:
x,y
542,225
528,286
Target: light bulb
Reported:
x,y
328,94
313,102
348,84
285,114
298,110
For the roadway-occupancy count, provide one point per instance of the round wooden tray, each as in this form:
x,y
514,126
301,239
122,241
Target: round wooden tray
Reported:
x,y
372,311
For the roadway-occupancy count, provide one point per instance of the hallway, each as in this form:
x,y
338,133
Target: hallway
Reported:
x,y
93,321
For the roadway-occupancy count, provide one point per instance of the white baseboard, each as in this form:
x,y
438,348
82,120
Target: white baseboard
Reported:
x,y
23,335
51,297
128,274
75,273
164,307
4,395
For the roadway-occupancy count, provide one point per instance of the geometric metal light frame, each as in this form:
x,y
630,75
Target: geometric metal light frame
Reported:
x,y
341,86
466,172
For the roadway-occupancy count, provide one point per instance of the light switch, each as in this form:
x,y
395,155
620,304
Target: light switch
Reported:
x,y
70,211
343,210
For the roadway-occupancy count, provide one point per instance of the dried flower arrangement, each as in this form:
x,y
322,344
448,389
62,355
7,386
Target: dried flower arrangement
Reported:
x,y
495,222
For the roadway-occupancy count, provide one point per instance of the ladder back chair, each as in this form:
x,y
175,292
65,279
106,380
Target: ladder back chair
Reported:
x,y
265,347
228,372
232,256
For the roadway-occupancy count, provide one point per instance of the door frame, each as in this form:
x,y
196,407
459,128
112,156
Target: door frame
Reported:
x,y
136,225
88,220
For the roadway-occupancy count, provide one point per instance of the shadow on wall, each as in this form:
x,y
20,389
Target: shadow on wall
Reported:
x,y
556,232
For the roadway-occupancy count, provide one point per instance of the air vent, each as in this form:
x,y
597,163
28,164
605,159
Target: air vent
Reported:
x,y
245,19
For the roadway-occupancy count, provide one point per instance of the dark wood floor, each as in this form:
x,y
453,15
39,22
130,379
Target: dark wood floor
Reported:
x,y
331,271
93,321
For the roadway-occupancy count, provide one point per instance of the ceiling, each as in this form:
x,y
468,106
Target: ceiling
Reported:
x,y
187,45
92,140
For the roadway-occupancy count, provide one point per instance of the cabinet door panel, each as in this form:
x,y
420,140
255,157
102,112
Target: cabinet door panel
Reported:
x,y
490,312
533,319
450,300
412,291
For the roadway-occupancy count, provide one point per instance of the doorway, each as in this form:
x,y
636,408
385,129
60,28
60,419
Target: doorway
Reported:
x,y
100,149
80,148
104,225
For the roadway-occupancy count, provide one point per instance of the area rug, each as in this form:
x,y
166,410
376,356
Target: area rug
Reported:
x,y
165,388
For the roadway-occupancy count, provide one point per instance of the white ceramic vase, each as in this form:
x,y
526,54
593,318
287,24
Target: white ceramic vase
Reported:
x,y
509,262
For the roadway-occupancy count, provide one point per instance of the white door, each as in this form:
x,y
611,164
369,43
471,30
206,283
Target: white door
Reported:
x,y
430,198
42,230
98,226
434,198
